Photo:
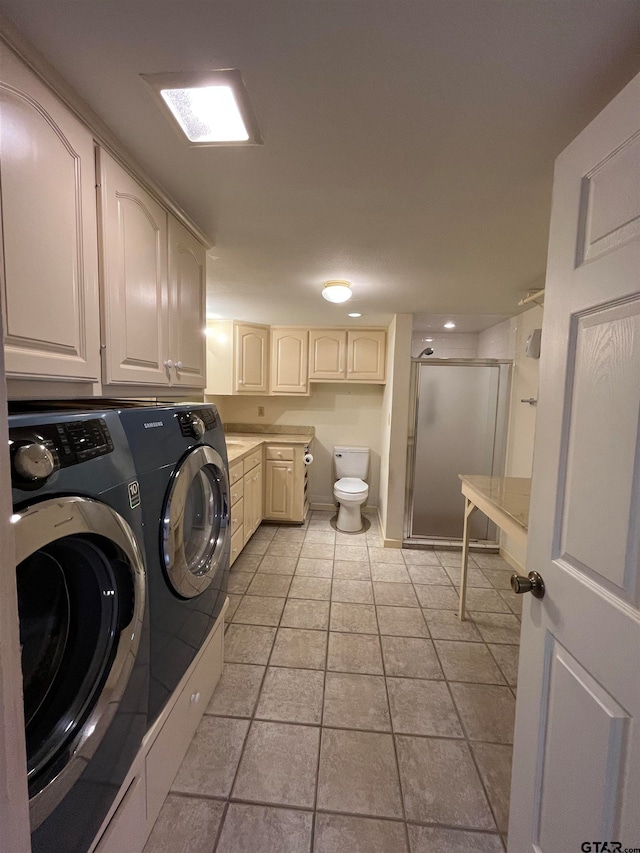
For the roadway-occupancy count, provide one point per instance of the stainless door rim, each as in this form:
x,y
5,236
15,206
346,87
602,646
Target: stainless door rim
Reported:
x,y
35,527
181,574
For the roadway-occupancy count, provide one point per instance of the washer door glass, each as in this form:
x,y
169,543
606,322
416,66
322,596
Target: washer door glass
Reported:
x,y
195,524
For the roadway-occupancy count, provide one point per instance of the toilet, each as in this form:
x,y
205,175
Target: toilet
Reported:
x,y
350,488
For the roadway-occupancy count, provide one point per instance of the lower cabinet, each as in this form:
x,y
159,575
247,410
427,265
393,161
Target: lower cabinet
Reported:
x,y
236,499
253,501
285,483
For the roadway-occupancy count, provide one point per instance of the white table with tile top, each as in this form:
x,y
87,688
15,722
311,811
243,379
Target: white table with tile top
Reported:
x,y
505,501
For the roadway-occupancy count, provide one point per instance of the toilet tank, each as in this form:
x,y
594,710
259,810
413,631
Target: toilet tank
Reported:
x,y
351,462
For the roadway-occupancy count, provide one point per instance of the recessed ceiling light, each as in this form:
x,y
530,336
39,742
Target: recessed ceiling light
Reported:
x,y
337,290
210,109
428,340
355,314
449,325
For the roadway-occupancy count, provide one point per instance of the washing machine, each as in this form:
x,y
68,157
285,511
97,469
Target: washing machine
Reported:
x,y
82,603
181,462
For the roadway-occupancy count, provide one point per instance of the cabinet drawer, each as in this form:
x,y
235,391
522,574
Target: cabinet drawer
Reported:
x,y
237,489
279,453
237,543
236,471
252,460
127,827
237,515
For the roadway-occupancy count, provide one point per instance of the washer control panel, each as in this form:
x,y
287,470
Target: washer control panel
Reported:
x,y
195,424
36,452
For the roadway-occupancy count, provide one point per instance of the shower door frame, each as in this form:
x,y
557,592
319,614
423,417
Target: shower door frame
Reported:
x,y
499,446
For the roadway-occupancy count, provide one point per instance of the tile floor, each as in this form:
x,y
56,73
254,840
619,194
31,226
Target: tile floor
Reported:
x,y
355,712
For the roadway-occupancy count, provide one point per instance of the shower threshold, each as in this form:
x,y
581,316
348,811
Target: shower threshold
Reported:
x,y
426,543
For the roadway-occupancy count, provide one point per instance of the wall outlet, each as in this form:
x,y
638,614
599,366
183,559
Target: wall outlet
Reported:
x,y
260,411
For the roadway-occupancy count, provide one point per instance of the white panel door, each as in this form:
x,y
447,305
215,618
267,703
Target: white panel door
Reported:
x,y
135,281
187,282
576,768
48,250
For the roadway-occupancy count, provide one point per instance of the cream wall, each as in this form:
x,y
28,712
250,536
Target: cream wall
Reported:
x,y
394,429
445,345
340,413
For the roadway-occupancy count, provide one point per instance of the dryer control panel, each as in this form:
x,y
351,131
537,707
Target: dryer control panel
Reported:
x,y
36,452
195,424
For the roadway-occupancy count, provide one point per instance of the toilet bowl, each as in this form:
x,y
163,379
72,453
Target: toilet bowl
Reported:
x,y
350,490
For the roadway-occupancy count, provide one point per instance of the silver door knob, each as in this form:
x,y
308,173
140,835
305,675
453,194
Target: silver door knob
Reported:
x,y
532,583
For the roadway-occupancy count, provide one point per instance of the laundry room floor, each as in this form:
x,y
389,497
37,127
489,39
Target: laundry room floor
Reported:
x,y
355,712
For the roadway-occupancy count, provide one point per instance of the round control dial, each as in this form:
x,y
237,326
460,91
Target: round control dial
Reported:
x,y
197,424
34,461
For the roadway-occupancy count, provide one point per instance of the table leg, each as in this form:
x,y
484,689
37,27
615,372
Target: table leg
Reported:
x,y
469,509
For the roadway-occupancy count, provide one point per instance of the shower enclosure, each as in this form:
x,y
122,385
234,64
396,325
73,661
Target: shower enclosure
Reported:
x,y
458,426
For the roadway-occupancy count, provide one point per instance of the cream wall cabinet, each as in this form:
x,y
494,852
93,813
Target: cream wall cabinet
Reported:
x,y
354,355
366,355
153,287
327,349
289,360
237,358
48,250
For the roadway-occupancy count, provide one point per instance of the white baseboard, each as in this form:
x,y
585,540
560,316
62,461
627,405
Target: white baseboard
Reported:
x,y
509,558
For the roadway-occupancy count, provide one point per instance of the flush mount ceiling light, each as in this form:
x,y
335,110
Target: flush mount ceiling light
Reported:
x,y
354,314
337,290
211,108
449,325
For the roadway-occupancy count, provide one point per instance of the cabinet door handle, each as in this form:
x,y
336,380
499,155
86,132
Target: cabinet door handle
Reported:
x,y
168,364
178,365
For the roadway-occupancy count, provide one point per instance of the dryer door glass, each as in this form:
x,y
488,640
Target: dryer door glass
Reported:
x,y
195,526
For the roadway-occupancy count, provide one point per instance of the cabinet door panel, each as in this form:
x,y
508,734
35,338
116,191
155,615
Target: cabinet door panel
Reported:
x,y
327,354
279,490
251,358
187,282
289,361
135,286
366,355
49,250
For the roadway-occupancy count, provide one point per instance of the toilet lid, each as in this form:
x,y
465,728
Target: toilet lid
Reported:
x,y
351,485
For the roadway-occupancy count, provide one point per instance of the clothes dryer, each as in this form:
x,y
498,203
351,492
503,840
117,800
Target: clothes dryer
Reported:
x,y
181,462
82,603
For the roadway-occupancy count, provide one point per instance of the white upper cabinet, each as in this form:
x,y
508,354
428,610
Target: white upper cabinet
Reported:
x,y
289,360
187,283
366,354
135,291
336,355
327,354
251,345
49,252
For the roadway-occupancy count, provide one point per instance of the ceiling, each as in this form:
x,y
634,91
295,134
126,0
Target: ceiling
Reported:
x,y
408,144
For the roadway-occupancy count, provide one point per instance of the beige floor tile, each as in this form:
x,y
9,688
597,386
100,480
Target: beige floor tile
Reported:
x,y
185,825
259,610
300,648
491,561
440,783
273,585
375,540
499,578
422,708
352,552
317,551
390,573
357,570
401,622
256,546
356,702
260,829
433,839
291,696
237,691
429,575
514,602
354,653
277,565
487,711
410,658
453,557
358,538
475,577
353,618
314,568
283,548
486,601
290,534
246,563
494,763
354,592
358,774
468,662
497,627
437,597
234,601
212,758
279,765
386,555
344,834
325,537
239,581
420,557
446,625
395,594
305,613
266,531
310,587
248,644
507,659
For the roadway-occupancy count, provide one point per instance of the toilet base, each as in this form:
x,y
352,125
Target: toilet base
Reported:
x,y
349,518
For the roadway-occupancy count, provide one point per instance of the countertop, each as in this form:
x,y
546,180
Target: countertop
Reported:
x,y
511,495
239,444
